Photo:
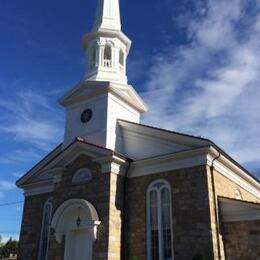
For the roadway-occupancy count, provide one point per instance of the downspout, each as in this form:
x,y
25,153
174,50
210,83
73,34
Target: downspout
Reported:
x,y
215,203
222,229
124,253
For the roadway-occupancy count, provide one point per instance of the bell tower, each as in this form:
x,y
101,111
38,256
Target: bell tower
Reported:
x,y
106,47
103,96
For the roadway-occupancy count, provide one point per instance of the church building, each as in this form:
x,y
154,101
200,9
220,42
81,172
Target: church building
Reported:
x,y
118,189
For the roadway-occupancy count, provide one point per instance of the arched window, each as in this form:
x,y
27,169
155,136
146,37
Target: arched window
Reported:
x,y
46,222
82,176
108,52
159,221
121,58
108,56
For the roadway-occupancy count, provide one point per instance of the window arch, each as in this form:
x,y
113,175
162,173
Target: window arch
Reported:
x,y
82,176
45,230
107,56
159,221
108,52
121,58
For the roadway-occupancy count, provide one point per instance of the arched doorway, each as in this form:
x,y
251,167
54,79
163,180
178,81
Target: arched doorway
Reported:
x,y
77,220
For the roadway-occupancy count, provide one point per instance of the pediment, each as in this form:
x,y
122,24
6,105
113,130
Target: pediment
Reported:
x,y
89,89
140,142
49,166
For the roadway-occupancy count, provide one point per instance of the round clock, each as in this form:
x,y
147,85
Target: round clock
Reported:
x,y
86,116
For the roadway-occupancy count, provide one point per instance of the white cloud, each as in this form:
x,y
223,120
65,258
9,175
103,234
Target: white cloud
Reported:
x,y
21,156
5,186
31,119
17,174
210,87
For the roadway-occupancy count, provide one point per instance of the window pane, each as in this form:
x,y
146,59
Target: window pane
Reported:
x,y
121,58
154,226
166,224
107,53
45,231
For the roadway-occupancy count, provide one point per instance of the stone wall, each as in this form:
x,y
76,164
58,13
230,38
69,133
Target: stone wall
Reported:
x,y
97,192
226,188
31,226
115,216
242,240
191,216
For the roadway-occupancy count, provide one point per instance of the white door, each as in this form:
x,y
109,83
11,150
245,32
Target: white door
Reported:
x,y
78,245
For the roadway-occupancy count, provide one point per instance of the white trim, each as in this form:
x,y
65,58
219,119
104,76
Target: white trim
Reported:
x,y
159,216
74,203
185,140
112,164
38,167
235,174
48,202
194,158
78,172
38,188
236,210
179,160
79,148
101,87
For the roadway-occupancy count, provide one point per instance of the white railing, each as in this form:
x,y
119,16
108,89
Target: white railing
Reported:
x,y
107,63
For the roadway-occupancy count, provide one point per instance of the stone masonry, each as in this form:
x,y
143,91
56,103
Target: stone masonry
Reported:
x,y
196,226
191,216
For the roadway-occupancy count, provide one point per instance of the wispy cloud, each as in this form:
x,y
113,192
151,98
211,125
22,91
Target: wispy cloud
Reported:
x,y
21,156
210,86
30,118
5,186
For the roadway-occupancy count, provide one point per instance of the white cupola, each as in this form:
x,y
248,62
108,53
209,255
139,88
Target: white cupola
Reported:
x,y
103,96
106,47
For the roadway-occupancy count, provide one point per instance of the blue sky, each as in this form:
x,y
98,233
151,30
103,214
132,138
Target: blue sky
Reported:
x,y
196,63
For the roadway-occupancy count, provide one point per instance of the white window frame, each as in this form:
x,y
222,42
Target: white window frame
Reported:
x,y
47,203
76,180
151,188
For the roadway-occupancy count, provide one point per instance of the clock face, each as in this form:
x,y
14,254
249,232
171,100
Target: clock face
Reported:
x,y
86,116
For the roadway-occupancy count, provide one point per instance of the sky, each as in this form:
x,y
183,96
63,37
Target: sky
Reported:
x,y
196,64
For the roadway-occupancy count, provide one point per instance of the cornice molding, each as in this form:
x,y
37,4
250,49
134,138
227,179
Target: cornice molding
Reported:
x,y
112,164
193,158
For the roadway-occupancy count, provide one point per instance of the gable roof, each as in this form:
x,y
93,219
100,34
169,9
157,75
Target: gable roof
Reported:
x,y
193,141
191,138
57,153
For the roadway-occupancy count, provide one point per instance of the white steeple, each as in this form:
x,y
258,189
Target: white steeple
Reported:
x,y
107,16
106,46
97,102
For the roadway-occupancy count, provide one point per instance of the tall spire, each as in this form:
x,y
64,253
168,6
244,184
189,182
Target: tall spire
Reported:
x,y
107,16
103,96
